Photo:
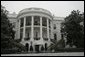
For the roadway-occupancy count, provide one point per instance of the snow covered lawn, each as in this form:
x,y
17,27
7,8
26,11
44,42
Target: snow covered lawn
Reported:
x,y
48,54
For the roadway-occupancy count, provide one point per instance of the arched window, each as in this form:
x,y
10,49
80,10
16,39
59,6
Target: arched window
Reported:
x,y
31,48
42,48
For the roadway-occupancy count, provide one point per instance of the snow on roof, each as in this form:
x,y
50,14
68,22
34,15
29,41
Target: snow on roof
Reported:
x,y
58,18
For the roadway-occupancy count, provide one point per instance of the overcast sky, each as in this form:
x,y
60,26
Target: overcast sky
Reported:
x,y
57,8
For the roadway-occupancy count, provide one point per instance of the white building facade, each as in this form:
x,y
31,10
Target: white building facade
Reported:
x,y
36,27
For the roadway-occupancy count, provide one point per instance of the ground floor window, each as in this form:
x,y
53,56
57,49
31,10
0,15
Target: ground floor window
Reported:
x,y
55,36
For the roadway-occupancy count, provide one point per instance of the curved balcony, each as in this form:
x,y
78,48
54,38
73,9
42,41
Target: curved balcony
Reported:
x,y
26,39
36,38
46,39
35,27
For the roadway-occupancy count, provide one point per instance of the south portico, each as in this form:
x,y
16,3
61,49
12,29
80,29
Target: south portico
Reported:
x,y
36,46
35,29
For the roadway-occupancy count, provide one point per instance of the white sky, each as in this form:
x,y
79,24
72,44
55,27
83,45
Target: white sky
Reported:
x,y
57,8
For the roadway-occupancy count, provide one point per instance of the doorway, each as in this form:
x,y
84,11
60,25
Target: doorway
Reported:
x,y
27,47
37,48
45,46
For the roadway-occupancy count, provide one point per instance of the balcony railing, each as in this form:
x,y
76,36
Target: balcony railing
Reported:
x,y
44,24
36,23
28,23
36,38
27,38
46,39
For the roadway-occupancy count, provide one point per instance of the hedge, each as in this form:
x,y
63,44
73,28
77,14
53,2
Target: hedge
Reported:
x,y
69,50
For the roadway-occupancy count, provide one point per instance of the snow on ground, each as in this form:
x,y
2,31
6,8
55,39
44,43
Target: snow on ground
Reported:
x,y
48,54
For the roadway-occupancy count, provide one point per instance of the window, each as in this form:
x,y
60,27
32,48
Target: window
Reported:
x,y
54,26
27,34
22,22
45,46
27,38
21,33
44,33
55,36
28,20
62,36
44,21
36,36
36,20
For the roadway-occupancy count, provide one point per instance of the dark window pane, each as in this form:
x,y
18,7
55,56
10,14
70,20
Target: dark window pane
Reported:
x,y
54,26
49,23
21,33
36,20
22,22
28,20
55,36
44,21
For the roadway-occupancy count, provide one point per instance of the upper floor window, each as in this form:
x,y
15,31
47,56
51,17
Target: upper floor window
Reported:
x,y
21,33
54,26
49,23
44,21
55,36
27,37
36,20
28,20
22,22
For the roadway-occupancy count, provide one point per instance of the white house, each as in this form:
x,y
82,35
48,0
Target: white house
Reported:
x,y
36,27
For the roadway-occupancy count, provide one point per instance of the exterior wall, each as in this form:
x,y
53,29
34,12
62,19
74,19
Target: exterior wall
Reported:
x,y
57,31
57,21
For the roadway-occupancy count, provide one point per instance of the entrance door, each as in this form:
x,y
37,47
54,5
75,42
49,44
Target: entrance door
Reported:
x,y
37,48
27,47
45,46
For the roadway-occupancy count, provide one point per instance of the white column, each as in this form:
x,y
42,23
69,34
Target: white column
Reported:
x,y
32,33
24,28
48,32
32,29
19,28
48,28
51,29
41,27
